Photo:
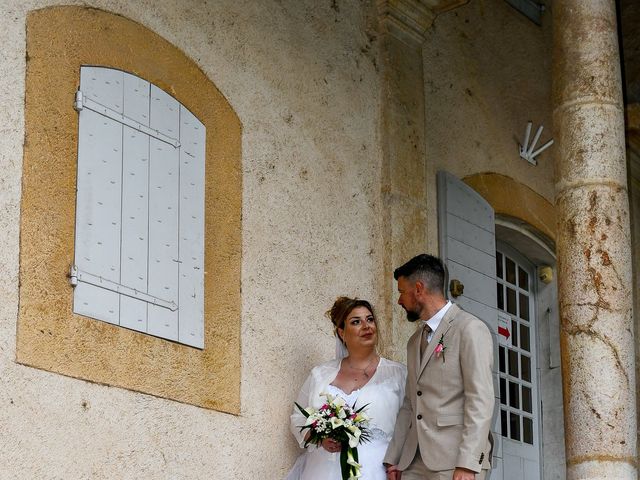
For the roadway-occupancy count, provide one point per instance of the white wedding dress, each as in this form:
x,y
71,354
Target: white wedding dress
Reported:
x,y
383,393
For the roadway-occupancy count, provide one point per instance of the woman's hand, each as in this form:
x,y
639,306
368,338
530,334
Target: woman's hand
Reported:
x,y
392,472
331,445
463,474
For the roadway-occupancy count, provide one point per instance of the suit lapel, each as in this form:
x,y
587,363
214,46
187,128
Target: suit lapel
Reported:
x,y
443,328
413,350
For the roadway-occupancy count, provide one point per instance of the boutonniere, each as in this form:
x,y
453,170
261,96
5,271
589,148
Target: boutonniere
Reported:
x,y
440,348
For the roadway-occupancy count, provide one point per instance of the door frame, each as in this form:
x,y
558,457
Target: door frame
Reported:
x,y
521,259
539,250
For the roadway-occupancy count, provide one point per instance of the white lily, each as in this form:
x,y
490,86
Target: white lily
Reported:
x,y
362,417
336,422
355,474
353,439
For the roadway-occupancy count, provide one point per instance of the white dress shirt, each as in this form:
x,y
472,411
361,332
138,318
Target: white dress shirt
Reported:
x,y
434,321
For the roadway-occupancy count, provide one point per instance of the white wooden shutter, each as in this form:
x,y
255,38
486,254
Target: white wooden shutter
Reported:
x,y
467,246
139,253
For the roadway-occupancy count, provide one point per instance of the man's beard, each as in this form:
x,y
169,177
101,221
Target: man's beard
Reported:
x,y
412,316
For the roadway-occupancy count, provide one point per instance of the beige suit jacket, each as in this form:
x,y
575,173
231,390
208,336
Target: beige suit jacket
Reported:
x,y
449,398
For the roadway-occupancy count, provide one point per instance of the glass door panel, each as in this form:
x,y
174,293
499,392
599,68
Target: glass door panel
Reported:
x,y
519,405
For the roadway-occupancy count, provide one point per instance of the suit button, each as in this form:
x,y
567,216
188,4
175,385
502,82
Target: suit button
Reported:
x,y
419,417
419,393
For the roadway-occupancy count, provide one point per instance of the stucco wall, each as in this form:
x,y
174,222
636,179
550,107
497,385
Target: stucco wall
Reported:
x,y
634,208
635,236
302,78
59,41
487,72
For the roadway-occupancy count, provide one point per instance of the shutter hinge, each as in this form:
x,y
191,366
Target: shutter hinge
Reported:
x,y
76,276
73,276
78,105
81,102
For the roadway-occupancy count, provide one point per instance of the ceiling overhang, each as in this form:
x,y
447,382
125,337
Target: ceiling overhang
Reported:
x,y
409,20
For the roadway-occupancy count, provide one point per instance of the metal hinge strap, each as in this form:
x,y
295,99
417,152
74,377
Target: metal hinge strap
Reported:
x,y
76,276
82,102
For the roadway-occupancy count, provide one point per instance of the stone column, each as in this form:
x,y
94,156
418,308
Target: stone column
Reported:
x,y
402,27
594,249
633,154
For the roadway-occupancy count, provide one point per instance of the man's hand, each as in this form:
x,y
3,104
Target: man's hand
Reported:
x,y
463,474
392,472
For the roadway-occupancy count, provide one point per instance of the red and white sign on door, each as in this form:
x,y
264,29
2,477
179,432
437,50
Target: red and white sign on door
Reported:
x,y
504,325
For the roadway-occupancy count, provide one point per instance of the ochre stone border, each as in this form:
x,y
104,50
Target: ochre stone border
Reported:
x,y
50,336
512,198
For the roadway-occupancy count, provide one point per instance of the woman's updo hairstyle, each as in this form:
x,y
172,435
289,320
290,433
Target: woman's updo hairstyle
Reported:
x,y
341,309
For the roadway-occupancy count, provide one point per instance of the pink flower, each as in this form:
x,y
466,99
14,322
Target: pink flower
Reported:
x,y
440,348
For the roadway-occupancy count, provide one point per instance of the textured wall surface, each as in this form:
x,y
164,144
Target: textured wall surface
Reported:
x,y
50,336
595,288
634,204
633,137
487,72
302,78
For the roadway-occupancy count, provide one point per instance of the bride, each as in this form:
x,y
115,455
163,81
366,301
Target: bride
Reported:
x,y
360,376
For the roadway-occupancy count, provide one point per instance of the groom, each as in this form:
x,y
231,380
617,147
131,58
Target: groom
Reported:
x,y
443,428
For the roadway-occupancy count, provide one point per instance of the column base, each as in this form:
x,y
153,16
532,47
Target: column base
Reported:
x,y
602,469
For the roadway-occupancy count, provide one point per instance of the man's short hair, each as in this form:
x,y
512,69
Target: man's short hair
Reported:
x,y
426,268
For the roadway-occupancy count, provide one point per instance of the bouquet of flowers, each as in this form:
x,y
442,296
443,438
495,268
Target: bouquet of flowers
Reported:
x,y
337,420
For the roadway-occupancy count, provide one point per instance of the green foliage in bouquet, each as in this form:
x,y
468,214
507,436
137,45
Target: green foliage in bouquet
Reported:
x,y
337,420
